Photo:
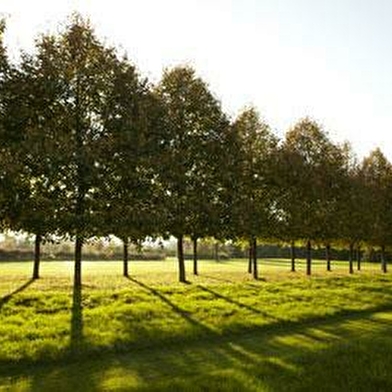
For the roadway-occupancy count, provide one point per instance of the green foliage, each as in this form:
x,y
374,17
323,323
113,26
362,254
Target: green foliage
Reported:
x,y
194,147
376,172
89,148
353,202
253,196
129,192
310,171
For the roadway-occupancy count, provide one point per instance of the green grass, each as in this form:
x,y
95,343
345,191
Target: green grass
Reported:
x,y
222,331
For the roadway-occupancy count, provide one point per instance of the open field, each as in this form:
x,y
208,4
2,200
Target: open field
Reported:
x,y
220,332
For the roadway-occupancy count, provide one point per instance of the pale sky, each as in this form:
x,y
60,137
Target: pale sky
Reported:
x,y
329,59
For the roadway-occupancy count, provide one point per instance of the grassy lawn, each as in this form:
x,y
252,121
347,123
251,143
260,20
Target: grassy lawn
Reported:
x,y
220,332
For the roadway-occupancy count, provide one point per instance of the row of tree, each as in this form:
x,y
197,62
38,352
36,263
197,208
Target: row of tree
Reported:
x,y
89,148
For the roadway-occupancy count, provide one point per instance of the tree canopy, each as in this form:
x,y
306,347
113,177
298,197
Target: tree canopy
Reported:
x,y
91,148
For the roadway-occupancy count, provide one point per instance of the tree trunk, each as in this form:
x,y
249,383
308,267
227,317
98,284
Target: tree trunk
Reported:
x,y
371,257
78,261
250,261
358,258
216,251
180,256
195,258
37,256
351,258
125,258
308,258
383,260
254,247
81,186
328,256
292,253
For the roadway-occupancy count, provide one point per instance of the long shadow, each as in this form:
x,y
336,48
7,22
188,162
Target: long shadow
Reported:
x,y
237,303
279,326
217,279
76,335
8,297
264,362
181,312
257,339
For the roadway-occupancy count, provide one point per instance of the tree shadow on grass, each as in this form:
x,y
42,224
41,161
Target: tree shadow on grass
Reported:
x,y
8,297
76,334
282,360
179,311
218,279
70,373
235,302
327,356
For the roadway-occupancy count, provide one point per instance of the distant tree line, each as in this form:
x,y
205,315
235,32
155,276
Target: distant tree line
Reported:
x,y
90,148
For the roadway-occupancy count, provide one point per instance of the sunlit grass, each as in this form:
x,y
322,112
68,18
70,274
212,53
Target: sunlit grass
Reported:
x,y
222,331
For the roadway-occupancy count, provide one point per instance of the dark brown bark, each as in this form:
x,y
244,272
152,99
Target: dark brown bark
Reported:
x,y
254,264
78,261
351,258
250,260
371,256
308,258
383,260
76,335
125,258
81,186
292,253
37,256
328,256
359,258
180,256
216,247
195,257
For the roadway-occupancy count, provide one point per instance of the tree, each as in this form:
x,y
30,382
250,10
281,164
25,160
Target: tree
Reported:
x,y
377,174
333,189
287,227
253,205
25,206
30,131
193,144
308,183
131,193
73,80
353,220
7,166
